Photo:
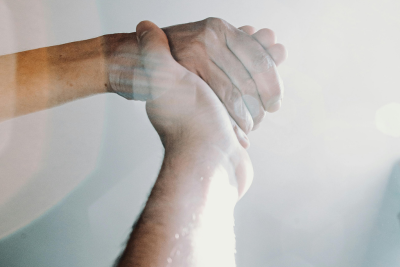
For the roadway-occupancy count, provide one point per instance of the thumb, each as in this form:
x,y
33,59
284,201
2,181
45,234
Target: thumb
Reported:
x,y
152,39
158,69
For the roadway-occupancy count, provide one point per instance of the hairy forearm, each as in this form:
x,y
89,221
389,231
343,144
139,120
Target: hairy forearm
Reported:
x,y
188,219
46,77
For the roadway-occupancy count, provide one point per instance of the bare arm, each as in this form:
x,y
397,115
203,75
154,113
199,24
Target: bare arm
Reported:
x,y
188,218
46,77
239,65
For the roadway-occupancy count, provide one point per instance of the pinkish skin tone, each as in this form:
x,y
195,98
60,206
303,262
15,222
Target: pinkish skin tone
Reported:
x,y
199,137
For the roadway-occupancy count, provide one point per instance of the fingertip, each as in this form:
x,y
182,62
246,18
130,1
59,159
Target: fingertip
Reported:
x,y
144,26
248,29
152,40
245,143
266,37
278,52
149,30
275,106
256,127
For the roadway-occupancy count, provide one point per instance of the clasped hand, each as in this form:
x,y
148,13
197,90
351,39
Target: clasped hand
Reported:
x,y
239,65
187,111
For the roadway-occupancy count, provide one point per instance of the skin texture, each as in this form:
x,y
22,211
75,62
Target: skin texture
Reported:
x,y
42,78
239,65
206,84
235,64
188,218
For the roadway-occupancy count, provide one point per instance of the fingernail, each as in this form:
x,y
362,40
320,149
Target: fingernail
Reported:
x,y
141,35
275,106
245,142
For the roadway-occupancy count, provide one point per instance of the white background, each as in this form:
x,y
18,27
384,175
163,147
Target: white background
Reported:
x,y
326,190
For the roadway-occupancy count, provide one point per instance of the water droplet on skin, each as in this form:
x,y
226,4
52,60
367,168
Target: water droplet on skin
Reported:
x,y
201,178
176,236
169,260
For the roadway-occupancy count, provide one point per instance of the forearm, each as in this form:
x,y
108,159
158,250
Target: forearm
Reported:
x,y
43,78
188,219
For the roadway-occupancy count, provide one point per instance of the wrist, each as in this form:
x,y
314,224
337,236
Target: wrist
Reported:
x,y
229,162
121,57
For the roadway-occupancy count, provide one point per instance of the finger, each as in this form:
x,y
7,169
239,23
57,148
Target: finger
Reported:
x,y
278,52
154,77
229,95
240,77
152,40
260,66
240,135
265,37
250,30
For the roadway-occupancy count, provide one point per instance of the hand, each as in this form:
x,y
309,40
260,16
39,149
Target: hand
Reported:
x,y
183,109
239,67
238,64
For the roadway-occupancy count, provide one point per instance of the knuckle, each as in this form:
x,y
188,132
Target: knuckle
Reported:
x,y
262,62
234,95
198,47
248,85
208,35
227,94
210,32
214,22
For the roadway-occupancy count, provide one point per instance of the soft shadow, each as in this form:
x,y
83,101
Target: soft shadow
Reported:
x,y
384,245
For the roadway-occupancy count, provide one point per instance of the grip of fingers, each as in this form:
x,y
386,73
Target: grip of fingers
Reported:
x,y
240,135
278,52
267,39
152,39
